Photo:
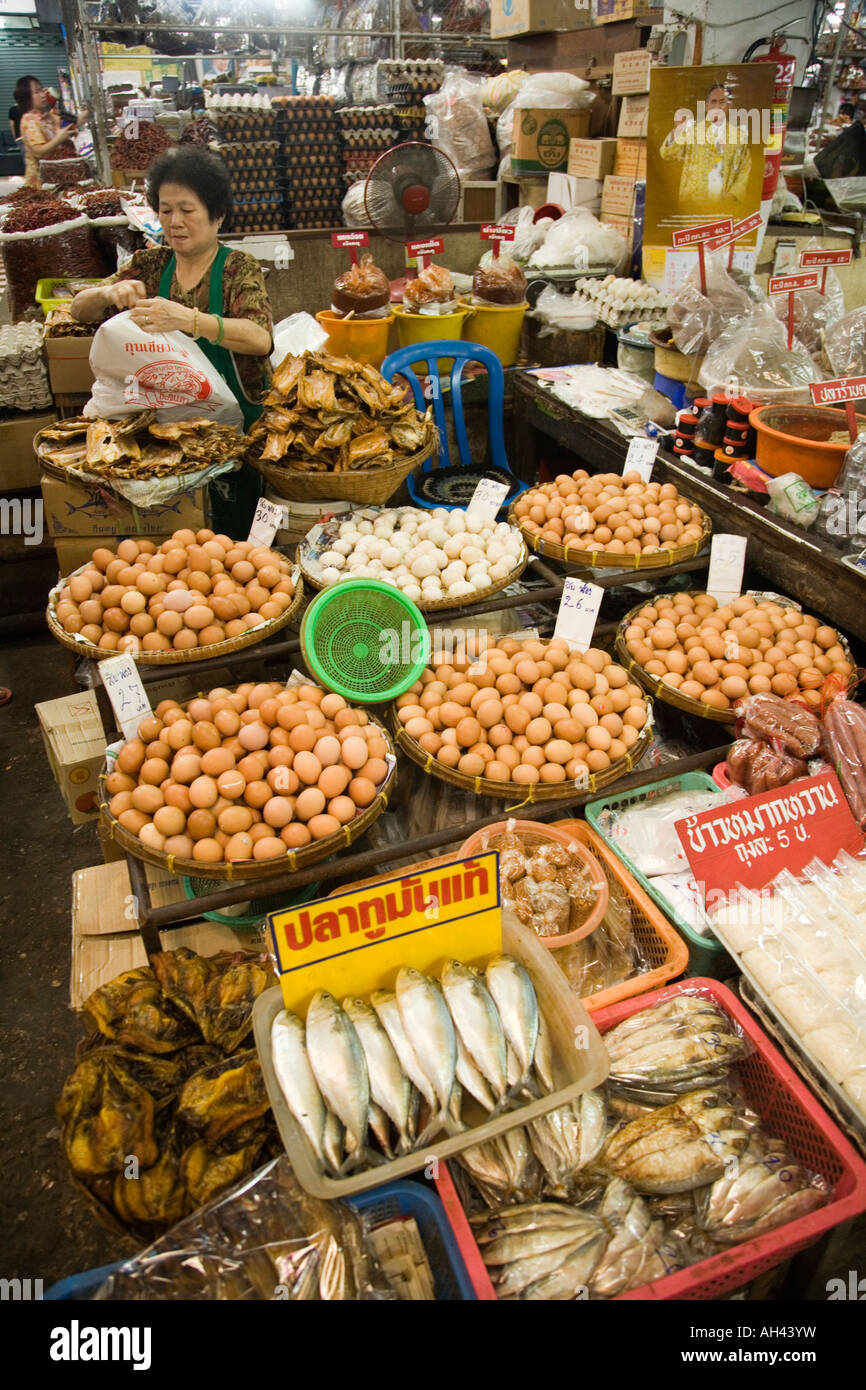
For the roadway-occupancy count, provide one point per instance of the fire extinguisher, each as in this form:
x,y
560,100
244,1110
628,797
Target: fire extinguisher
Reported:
x,y
786,66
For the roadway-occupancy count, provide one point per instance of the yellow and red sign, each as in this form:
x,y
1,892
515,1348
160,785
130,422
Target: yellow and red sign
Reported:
x,y
356,941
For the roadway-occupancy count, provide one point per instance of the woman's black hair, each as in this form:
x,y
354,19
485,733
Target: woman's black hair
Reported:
x,y
846,108
202,172
24,93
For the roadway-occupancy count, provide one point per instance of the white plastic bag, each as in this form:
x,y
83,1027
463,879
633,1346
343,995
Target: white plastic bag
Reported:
x,y
166,372
457,125
578,239
297,334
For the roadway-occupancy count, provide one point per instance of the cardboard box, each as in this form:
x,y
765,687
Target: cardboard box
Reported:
x,y
75,743
68,360
618,195
74,551
510,17
612,11
542,138
570,192
630,159
18,465
631,72
71,510
633,116
105,935
591,159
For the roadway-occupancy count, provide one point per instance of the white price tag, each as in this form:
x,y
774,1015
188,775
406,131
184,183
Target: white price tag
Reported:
x,y
578,612
126,692
268,520
488,498
640,457
727,562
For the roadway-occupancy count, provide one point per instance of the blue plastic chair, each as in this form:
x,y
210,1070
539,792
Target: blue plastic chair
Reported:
x,y
445,484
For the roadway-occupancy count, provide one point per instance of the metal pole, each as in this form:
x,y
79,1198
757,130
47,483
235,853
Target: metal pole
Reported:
x,y
83,40
840,39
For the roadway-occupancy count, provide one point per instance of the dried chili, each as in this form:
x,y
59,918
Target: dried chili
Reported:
x,y
140,150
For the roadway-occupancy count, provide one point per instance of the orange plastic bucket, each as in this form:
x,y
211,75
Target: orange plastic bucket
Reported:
x,y
797,439
364,340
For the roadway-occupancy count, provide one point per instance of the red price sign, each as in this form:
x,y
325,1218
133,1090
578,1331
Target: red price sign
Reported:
x,y
786,284
492,231
351,241
708,231
749,842
826,257
422,250
739,229
845,390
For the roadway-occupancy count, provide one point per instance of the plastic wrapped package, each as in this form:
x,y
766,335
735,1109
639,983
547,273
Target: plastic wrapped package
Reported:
x,y
579,240
646,832
839,518
696,317
814,313
766,1188
757,767
353,207
363,290
498,281
431,292
528,234
754,351
786,725
609,955
845,344
845,735
679,1045
557,311
457,125
265,1239
546,883
562,90
499,92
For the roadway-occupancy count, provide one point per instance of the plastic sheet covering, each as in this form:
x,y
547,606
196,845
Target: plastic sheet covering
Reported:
x,y
353,207
697,318
558,312
265,1239
457,125
295,335
579,240
840,520
754,351
814,313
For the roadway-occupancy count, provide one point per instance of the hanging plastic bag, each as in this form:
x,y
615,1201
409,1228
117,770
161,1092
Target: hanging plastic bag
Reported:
x,y
135,370
457,125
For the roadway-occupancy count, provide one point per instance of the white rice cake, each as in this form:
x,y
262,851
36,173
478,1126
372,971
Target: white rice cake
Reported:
x,y
804,1006
839,1047
854,1087
770,964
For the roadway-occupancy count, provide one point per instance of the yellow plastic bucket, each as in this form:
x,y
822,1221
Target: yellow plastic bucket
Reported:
x,y
428,328
364,340
497,327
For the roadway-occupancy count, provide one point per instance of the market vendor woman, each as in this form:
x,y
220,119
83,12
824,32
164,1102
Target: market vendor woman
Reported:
x,y
194,285
39,127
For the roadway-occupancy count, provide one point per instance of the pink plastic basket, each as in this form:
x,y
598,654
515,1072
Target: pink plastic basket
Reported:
x,y
789,1111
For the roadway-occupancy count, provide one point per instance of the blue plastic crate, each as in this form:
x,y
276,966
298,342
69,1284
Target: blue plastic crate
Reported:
x,y
450,1279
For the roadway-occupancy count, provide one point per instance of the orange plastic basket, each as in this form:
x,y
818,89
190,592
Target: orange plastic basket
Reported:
x,y
659,942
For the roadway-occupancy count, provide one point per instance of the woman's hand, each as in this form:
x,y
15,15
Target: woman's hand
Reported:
x,y
162,316
125,294
67,133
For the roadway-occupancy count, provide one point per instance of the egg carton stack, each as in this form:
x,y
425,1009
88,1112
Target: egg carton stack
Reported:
x,y
406,84
617,301
23,378
251,149
367,132
309,127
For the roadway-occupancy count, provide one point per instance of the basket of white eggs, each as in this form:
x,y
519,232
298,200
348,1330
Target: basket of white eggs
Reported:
x,y
439,559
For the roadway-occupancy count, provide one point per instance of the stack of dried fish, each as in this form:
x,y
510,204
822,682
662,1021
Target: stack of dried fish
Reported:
x,y
59,323
366,1081
328,413
167,1106
138,446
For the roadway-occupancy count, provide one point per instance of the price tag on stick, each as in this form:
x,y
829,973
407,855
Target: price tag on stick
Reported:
x,y
727,562
789,284
492,231
641,457
350,241
578,613
825,259
126,692
267,521
488,497
700,236
844,390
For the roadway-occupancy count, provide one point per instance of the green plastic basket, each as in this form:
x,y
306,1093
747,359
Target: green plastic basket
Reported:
x,y
706,956
201,887
366,641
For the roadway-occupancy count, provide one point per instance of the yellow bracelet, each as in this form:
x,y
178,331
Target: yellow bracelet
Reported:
x,y
195,332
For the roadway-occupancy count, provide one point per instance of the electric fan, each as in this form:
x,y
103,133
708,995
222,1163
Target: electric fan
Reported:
x,y
412,189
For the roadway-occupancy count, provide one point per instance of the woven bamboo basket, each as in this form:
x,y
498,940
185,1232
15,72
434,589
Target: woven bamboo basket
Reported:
x,y
442,605
367,487
251,870
603,559
81,647
658,686
527,795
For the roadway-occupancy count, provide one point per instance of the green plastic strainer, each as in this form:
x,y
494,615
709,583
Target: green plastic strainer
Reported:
x,y
247,921
365,640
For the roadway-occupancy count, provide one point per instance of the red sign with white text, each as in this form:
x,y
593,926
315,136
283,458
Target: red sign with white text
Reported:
x,y
349,239
430,247
739,229
826,257
844,388
492,231
691,236
750,841
784,284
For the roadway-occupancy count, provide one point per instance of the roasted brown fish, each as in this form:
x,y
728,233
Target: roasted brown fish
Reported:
x,y
131,1009
224,1097
107,1118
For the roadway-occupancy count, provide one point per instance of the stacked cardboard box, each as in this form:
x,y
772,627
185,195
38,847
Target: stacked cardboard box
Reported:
x,y
78,519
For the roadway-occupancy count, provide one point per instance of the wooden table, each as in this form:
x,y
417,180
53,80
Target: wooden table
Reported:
x,y
789,559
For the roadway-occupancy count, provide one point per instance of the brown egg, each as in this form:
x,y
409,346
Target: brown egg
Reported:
x,y
132,820
169,820
203,792
363,791
147,798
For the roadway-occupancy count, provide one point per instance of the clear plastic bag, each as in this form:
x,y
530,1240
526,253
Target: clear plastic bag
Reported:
x,y
295,335
696,317
579,240
840,519
432,290
754,352
528,234
265,1239
814,313
558,311
498,280
457,125
845,734
679,1045
646,832
548,89
363,289
765,1189
353,208
845,344
784,724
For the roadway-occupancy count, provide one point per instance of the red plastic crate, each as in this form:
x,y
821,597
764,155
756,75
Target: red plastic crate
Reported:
x,y
789,1111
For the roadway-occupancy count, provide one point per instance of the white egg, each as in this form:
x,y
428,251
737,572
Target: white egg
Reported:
x,y
412,591
478,568
471,554
375,547
330,575
453,572
423,565
455,523
513,546
480,581
438,535
503,531
475,523
365,528
342,547
441,558
495,551
424,531
348,528
425,548
402,572
460,589
401,541
332,559
390,557
454,545
500,570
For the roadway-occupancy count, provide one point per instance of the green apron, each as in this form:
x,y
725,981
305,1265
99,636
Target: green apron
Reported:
x,y
232,497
